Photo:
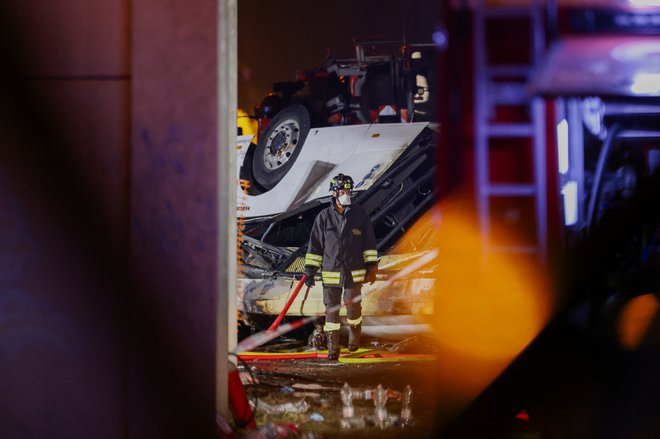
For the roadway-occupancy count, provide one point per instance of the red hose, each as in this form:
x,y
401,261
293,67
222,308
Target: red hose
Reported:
x,y
238,401
279,318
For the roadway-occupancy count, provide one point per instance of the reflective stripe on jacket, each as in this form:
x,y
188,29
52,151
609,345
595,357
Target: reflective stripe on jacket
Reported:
x,y
342,245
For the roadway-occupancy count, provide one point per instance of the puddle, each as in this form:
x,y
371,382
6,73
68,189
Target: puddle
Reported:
x,y
318,382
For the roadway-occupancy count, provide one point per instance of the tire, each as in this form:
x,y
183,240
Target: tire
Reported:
x,y
245,172
279,145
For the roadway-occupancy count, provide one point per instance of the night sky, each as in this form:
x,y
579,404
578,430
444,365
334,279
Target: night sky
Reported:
x,y
275,38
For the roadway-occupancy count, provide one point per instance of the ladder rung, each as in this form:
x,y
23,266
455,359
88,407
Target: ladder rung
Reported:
x,y
508,70
510,129
508,93
511,189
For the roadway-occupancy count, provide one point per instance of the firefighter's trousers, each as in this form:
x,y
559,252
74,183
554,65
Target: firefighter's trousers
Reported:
x,y
332,298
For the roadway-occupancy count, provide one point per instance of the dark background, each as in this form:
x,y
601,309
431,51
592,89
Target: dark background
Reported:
x,y
277,38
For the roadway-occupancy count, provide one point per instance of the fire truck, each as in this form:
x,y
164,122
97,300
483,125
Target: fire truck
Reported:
x,y
566,138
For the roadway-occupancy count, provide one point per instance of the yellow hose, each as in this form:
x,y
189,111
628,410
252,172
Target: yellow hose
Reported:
x,y
395,359
310,353
361,356
366,356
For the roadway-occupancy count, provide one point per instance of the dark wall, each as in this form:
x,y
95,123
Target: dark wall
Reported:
x,y
63,207
173,221
107,167
275,39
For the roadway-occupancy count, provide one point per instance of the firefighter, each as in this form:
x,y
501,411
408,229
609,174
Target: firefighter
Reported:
x,y
342,244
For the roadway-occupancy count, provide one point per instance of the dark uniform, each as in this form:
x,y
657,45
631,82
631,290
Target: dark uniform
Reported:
x,y
343,246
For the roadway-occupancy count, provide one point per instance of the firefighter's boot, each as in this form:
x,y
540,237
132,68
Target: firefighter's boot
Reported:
x,y
354,333
333,345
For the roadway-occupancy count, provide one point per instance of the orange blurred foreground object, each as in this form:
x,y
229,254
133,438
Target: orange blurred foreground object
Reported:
x,y
487,309
635,320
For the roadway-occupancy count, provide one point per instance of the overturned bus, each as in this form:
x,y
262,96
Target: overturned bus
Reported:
x,y
393,166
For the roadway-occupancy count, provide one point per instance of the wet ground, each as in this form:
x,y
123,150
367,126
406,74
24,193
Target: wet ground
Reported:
x,y
571,382
306,392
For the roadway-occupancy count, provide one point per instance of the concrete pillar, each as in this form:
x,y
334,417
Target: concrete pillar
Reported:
x,y
175,240
109,125
63,207
226,334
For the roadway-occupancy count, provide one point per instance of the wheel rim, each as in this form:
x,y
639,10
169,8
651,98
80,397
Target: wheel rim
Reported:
x,y
281,144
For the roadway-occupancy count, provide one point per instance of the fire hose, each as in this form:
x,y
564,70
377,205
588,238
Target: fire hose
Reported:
x,y
263,337
279,318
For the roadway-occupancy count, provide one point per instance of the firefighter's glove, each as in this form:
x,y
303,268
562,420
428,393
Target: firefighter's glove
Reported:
x,y
371,274
309,276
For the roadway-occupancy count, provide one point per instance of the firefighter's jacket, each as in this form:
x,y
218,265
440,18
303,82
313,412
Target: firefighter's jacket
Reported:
x,y
342,246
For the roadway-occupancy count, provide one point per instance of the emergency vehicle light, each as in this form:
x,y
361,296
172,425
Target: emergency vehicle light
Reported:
x,y
569,192
646,83
645,3
562,146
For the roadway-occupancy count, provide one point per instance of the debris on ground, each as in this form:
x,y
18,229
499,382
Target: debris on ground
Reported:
x,y
275,431
247,378
310,386
306,395
292,383
320,409
299,406
415,345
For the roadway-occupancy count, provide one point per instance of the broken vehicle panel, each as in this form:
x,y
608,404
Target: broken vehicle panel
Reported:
x,y
394,169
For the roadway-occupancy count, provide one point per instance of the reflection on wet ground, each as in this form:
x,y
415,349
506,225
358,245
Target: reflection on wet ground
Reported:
x,y
306,391
571,381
